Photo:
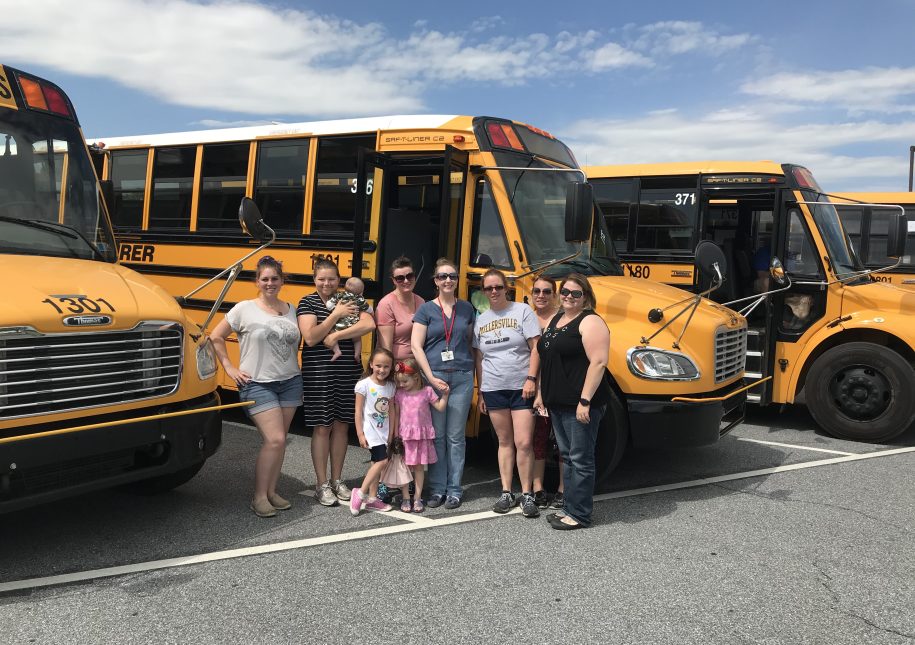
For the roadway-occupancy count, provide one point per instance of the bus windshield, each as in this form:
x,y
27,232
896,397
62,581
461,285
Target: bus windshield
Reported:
x,y
538,199
841,251
49,197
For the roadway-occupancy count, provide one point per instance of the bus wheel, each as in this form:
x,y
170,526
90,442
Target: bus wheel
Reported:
x,y
165,483
612,439
861,391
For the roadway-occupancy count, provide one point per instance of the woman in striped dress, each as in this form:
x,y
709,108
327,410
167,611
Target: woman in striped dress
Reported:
x,y
329,399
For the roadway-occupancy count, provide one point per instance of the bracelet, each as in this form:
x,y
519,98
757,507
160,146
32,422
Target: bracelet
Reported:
x,y
532,379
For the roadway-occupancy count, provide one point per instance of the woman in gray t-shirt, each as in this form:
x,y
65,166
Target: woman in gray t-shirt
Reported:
x,y
267,374
504,340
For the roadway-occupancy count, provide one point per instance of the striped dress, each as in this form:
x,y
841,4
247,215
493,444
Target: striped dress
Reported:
x,y
328,386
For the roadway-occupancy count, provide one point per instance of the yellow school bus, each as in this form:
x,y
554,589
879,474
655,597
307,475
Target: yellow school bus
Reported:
x,y
103,379
487,192
865,217
836,338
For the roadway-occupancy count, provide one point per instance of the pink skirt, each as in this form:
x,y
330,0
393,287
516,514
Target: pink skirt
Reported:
x,y
416,432
419,451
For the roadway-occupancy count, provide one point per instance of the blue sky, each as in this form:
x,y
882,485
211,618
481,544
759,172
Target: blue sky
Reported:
x,y
826,84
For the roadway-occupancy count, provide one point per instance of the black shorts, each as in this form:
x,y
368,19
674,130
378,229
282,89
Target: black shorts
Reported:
x,y
379,453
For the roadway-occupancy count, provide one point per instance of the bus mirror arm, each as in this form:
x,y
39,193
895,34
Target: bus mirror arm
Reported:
x,y
252,224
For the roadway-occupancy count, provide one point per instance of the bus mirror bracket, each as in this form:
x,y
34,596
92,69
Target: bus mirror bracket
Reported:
x,y
779,276
253,224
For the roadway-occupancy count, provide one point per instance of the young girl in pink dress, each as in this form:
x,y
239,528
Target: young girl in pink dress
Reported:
x,y
414,400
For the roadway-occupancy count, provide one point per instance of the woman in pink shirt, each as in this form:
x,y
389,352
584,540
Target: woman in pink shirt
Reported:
x,y
394,313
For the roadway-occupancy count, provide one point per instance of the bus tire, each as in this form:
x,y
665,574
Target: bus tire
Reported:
x,y
165,483
861,391
612,439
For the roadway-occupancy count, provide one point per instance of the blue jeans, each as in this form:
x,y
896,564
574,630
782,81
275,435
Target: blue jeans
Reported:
x,y
444,477
576,445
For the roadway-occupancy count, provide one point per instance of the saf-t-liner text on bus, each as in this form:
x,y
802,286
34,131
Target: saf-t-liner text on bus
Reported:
x,y
483,191
834,338
103,378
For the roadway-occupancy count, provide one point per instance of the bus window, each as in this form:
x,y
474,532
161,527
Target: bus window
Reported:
x,y
876,247
614,198
172,182
224,174
800,254
335,184
852,221
128,178
488,248
279,185
667,215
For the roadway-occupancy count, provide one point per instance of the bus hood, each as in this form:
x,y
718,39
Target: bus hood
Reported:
x,y
55,295
879,300
625,302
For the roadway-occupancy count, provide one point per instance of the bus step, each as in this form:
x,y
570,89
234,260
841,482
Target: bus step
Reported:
x,y
752,375
754,353
753,398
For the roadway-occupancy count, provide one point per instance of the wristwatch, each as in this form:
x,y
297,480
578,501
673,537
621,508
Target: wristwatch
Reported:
x,y
585,402
532,379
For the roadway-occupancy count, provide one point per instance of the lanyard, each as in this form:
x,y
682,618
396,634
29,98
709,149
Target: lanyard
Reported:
x,y
448,330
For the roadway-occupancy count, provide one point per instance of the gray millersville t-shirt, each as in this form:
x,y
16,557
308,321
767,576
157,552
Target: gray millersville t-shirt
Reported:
x,y
502,338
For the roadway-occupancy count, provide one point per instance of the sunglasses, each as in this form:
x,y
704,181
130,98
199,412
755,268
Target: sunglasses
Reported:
x,y
494,287
446,276
407,277
577,293
546,292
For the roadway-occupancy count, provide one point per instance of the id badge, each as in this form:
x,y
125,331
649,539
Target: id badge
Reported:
x,y
447,355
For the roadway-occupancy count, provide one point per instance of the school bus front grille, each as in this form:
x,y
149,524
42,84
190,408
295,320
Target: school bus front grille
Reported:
x,y
730,352
51,373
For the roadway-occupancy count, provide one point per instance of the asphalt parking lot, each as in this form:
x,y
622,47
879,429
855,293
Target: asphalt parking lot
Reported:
x,y
778,534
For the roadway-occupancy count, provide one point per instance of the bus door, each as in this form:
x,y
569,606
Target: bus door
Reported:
x,y
419,210
794,311
740,220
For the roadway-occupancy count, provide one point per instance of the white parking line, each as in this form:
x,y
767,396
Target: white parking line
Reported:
x,y
791,445
416,523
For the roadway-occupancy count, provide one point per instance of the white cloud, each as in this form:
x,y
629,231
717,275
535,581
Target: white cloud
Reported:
x,y
676,37
747,134
614,56
871,89
238,55
216,123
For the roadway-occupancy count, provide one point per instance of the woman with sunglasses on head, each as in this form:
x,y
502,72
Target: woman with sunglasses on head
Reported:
x,y
544,300
267,373
573,354
394,313
440,341
504,341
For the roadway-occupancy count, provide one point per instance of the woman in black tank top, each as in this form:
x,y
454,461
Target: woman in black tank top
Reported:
x,y
573,350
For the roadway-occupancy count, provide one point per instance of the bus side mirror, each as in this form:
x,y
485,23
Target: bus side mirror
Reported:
x,y
251,221
579,211
777,272
898,228
711,265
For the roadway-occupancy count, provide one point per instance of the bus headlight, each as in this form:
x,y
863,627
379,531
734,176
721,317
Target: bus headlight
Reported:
x,y
660,364
206,360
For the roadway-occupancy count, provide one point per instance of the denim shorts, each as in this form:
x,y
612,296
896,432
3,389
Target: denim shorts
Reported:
x,y
272,394
507,399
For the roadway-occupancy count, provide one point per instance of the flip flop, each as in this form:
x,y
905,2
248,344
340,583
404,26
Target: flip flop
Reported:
x,y
418,506
405,506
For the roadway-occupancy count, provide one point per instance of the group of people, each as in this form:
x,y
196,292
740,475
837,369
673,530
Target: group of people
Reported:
x,y
536,367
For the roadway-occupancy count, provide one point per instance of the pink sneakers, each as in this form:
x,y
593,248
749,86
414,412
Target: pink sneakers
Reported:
x,y
377,505
356,501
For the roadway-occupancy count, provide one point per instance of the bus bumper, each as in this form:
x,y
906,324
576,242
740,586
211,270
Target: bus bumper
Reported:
x,y
661,424
43,469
